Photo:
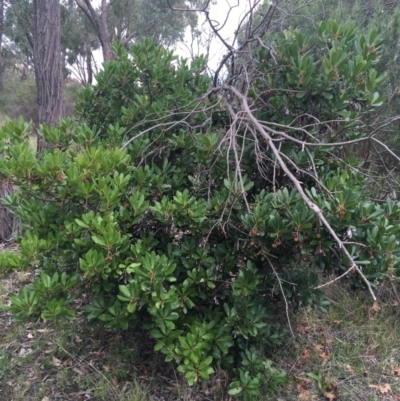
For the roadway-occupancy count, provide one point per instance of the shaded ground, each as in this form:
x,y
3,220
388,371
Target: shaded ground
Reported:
x,y
70,361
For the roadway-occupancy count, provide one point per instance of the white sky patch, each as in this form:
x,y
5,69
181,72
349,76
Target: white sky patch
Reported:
x,y
226,16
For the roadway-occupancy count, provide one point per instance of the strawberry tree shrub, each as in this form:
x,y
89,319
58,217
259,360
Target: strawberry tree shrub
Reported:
x,y
138,207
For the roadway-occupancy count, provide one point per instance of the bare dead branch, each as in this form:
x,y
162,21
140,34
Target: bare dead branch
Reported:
x,y
385,147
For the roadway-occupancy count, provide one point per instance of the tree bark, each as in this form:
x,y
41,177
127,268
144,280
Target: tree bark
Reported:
x,y
99,23
47,60
1,42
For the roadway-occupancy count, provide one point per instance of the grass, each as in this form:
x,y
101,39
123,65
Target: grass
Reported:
x,y
352,352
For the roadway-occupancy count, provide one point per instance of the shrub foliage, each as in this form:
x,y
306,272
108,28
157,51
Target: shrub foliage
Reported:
x,y
191,230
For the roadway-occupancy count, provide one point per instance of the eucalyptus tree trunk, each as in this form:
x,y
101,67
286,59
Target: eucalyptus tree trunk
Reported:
x,y
48,60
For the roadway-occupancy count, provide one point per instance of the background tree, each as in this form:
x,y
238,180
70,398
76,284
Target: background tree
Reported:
x,y
48,61
18,27
98,21
78,41
124,21
136,20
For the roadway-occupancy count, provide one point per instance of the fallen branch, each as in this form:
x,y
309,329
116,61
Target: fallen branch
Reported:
x,y
312,206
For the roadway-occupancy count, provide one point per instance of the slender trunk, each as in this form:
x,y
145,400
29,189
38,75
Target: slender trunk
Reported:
x,y
47,60
99,24
64,69
104,34
106,47
89,68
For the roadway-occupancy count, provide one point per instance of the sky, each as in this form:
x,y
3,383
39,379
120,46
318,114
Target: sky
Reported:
x,y
223,12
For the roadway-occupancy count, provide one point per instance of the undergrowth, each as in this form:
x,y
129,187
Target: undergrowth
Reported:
x,y
352,352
